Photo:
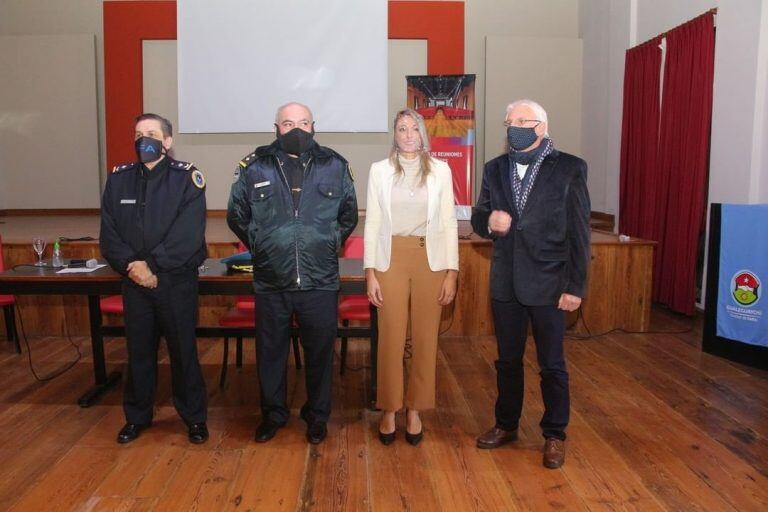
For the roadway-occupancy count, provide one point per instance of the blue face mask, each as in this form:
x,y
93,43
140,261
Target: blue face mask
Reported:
x,y
148,149
520,138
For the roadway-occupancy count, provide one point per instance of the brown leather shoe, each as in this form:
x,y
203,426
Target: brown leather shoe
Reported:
x,y
554,453
495,438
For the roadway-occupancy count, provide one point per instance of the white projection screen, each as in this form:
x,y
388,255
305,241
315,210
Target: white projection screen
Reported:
x,y
238,60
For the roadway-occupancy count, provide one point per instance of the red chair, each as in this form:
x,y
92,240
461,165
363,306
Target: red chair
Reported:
x,y
8,302
352,307
112,304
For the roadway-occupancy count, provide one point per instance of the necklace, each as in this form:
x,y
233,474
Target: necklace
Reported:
x,y
412,184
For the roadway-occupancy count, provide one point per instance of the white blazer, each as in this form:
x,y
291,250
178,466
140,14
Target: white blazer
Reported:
x,y
442,229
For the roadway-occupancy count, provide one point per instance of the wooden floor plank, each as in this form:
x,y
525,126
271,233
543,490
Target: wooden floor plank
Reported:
x,y
97,504
69,484
647,420
269,477
687,425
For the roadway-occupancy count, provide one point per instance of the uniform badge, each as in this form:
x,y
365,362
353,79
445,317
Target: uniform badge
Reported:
x,y
351,174
236,175
198,179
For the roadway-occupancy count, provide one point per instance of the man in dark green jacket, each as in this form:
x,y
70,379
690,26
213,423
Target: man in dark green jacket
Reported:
x,y
293,204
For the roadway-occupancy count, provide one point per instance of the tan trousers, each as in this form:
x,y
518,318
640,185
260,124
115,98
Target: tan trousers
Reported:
x,y
408,286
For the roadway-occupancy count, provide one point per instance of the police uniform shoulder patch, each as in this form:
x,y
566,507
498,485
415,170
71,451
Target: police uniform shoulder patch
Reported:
x,y
351,174
236,175
124,167
198,179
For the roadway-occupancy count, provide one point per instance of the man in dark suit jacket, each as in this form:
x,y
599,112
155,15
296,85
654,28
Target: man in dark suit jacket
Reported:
x,y
534,205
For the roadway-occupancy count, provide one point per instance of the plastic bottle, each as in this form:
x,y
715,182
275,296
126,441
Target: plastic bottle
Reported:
x,y
57,260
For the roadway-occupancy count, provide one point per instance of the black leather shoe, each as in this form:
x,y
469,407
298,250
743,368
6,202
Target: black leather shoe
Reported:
x,y
414,439
130,432
387,439
198,433
316,432
267,430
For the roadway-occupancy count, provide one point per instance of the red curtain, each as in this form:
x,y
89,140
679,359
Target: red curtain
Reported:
x,y
686,116
665,154
639,142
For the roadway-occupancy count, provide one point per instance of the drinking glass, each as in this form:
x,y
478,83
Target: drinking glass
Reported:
x,y
38,244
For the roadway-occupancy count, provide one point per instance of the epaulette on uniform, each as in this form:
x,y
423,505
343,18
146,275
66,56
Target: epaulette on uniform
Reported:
x,y
125,167
197,177
184,166
245,162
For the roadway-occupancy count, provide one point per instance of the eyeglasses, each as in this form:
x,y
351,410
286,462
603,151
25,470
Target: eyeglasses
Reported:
x,y
290,125
523,123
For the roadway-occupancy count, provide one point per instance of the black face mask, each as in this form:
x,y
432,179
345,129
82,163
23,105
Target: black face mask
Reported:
x,y
296,141
148,149
520,138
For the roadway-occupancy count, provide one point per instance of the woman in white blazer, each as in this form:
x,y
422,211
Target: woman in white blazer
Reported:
x,y
411,266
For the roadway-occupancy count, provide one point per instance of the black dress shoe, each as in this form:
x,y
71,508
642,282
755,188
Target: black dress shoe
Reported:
x,y
130,432
316,432
414,439
267,430
198,433
387,439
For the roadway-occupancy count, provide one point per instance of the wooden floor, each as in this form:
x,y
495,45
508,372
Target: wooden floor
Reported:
x,y
655,425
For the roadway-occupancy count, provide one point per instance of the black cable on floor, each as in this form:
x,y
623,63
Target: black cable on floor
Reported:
x,y
580,316
56,373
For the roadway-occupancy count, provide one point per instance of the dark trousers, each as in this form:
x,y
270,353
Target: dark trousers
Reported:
x,y
511,324
315,312
170,309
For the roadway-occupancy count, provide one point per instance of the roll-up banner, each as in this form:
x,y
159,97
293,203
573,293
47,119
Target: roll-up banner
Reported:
x,y
447,103
736,323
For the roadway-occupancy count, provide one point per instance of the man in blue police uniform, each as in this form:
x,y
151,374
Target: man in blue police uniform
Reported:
x,y
293,204
153,233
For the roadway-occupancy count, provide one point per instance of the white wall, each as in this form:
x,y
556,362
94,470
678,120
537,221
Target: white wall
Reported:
x,y
606,30
49,155
553,77
519,18
56,17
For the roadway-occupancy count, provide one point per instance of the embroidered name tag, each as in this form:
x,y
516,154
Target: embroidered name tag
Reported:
x,y
261,184
127,201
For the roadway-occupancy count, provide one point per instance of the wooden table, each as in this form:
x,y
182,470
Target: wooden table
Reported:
x,y
214,280
618,296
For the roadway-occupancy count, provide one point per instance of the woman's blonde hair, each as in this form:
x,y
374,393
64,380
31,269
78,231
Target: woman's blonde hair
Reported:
x,y
425,166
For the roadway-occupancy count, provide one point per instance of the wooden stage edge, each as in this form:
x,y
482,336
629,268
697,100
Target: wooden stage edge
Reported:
x,y
619,289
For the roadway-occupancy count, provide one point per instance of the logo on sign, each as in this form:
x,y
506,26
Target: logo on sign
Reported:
x,y
745,286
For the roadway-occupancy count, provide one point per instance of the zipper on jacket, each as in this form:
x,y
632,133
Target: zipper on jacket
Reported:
x,y
295,214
